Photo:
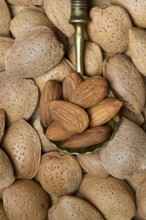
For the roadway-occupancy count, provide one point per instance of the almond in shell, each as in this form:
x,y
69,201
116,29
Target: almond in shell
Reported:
x,y
104,111
19,98
59,73
5,18
27,18
90,92
22,145
89,137
5,44
33,53
69,116
71,207
26,200
71,82
3,215
6,170
55,133
51,91
109,27
59,173
59,13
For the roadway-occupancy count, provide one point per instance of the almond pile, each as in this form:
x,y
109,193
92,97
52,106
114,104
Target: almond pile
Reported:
x,y
72,147
78,112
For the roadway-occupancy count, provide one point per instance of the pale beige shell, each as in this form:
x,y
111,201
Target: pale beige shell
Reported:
x,y
137,45
126,81
28,18
3,215
5,44
15,9
5,18
91,164
92,59
73,208
26,200
22,144
6,171
59,13
25,2
59,73
18,97
136,179
33,53
2,123
111,196
125,153
47,145
109,27
136,9
141,199
59,173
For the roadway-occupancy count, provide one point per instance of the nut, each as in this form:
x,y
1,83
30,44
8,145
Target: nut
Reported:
x,y
68,116
71,82
5,44
109,27
28,18
126,81
30,57
89,137
5,18
104,111
90,92
92,59
55,133
51,91
59,174
59,13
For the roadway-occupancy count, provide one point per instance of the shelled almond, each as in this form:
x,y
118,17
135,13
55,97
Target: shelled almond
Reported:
x,y
85,104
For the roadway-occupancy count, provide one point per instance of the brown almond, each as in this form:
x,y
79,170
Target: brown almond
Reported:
x,y
89,137
71,82
70,117
104,111
51,91
55,133
90,92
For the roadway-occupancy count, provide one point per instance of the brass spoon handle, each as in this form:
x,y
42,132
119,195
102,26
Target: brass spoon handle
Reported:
x,y
79,18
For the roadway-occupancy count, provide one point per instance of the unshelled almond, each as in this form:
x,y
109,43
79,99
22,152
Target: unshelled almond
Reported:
x,y
69,116
89,137
55,133
104,111
71,82
51,91
90,92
